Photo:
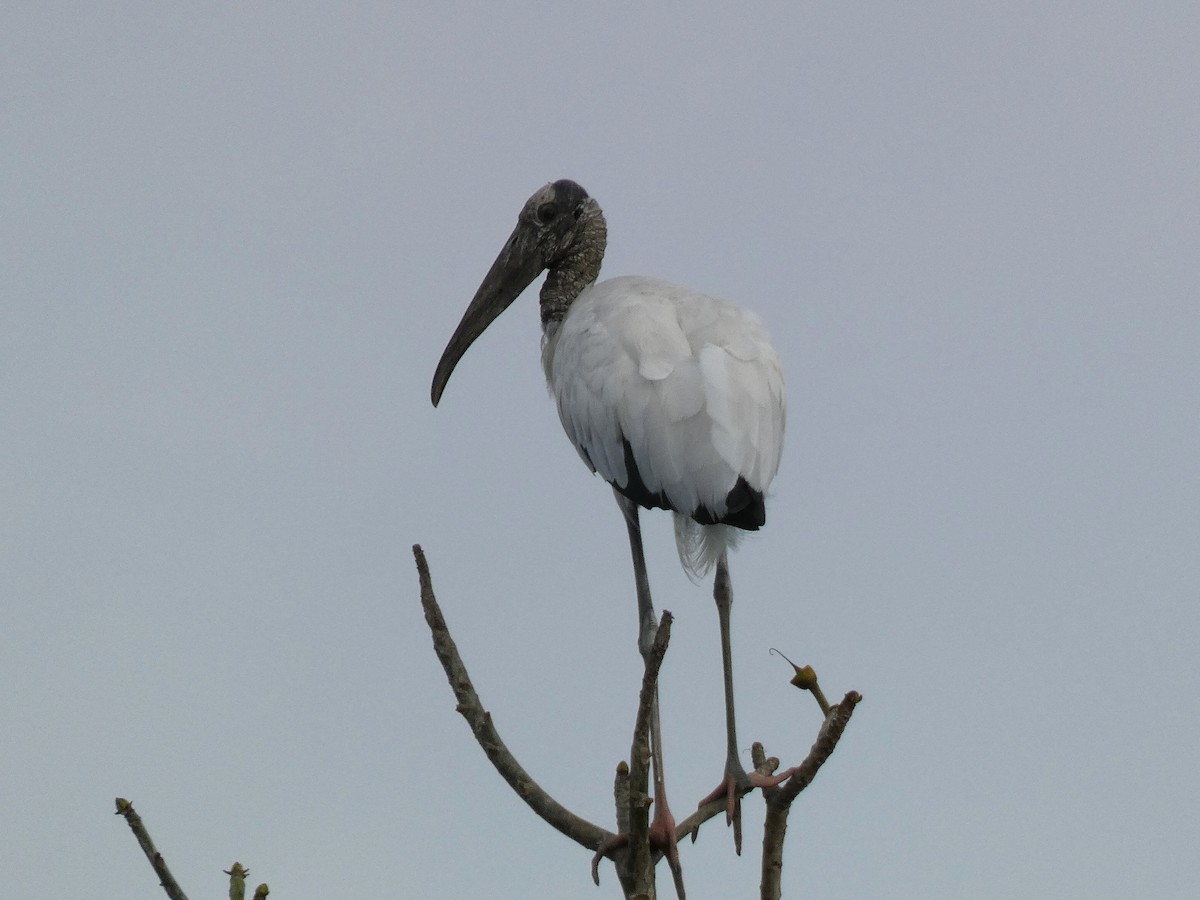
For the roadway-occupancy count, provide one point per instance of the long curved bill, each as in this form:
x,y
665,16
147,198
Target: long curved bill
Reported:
x,y
516,266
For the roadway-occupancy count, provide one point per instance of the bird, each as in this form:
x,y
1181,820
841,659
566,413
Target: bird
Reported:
x,y
673,397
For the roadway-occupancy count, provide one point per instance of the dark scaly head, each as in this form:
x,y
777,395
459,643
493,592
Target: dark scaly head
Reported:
x,y
560,228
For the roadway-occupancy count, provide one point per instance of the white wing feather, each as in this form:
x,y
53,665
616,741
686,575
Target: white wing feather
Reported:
x,y
691,382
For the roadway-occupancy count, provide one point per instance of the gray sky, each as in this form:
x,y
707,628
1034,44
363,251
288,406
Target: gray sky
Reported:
x,y
234,240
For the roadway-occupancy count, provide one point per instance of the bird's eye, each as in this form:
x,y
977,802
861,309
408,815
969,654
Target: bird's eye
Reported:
x,y
546,213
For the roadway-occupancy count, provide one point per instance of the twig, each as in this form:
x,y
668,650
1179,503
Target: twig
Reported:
x,y
621,796
237,881
827,740
641,861
779,799
165,878
469,705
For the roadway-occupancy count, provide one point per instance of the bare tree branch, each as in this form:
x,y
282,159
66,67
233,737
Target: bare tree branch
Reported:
x,y
631,849
469,705
779,799
165,878
639,866
827,741
237,881
621,797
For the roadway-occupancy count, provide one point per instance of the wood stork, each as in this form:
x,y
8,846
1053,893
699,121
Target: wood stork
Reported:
x,y
676,399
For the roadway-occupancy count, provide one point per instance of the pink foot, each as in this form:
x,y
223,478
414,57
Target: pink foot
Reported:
x,y
736,783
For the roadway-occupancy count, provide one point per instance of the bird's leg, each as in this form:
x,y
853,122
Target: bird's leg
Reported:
x,y
736,781
662,827
723,595
647,623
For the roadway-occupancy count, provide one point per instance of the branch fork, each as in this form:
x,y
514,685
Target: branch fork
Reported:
x,y
635,847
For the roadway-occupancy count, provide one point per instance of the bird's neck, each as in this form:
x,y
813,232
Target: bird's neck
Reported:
x,y
576,269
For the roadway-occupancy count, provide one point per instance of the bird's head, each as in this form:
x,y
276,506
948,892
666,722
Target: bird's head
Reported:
x,y
546,236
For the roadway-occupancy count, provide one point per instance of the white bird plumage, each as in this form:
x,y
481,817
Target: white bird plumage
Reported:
x,y
675,398
693,385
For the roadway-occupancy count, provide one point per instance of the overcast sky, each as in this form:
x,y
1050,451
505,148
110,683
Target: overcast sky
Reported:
x,y
234,239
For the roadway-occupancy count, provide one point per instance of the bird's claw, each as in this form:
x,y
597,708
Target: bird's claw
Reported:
x,y
664,838
736,784
731,789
